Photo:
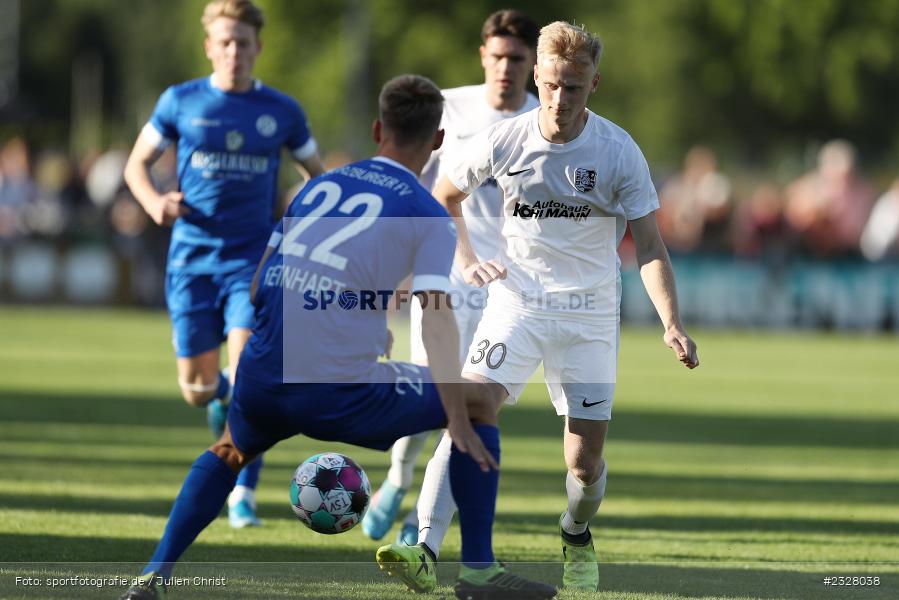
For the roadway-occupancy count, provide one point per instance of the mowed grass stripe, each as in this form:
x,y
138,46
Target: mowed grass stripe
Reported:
x,y
771,466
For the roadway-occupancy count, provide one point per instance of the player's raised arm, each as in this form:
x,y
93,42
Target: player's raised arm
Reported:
x,y
658,279
164,209
473,270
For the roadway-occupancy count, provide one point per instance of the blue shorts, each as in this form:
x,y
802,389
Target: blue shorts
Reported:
x,y
204,308
371,415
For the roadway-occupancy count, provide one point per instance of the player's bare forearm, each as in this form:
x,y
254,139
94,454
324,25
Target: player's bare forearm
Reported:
x,y
658,279
441,341
137,175
164,209
473,270
440,337
311,167
451,198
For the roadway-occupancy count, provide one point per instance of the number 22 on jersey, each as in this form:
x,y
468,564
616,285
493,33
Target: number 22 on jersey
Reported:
x,y
331,194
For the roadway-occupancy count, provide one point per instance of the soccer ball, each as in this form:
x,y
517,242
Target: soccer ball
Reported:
x,y
329,493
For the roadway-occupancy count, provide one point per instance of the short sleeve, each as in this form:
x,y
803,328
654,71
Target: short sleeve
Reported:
x,y
634,188
299,138
162,128
277,233
472,164
434,254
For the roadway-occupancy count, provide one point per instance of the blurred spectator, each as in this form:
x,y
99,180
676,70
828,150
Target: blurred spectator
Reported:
x,y
695,205
760,228
880,238
105,179
50,212
17,190
828,207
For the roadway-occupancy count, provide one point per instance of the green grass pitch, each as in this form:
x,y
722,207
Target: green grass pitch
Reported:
x,y
772,466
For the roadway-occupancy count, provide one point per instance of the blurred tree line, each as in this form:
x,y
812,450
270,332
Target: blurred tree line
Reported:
x,y
756,79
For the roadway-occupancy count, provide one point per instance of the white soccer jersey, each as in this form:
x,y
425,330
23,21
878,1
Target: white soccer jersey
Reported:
x,y
565,209
465,115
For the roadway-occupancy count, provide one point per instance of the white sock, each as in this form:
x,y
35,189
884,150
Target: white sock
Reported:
x,y
583,501
242,492
435,503
402,459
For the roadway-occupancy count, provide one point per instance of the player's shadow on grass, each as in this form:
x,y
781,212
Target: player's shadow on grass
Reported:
x,y
709,488
519,421
151,507
21,547
673,427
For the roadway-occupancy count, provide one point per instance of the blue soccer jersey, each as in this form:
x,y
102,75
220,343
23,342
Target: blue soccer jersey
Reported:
x,y
347,240
229,147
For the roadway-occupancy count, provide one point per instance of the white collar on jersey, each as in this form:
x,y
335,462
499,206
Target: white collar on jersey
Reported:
x,y
257,85
390,161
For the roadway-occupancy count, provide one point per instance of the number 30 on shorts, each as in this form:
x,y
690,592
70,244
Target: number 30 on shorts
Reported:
x,y
494,354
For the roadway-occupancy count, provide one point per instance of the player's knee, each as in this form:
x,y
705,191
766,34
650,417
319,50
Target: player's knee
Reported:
x,y
481,409
196,399
586,470
230,454
197,394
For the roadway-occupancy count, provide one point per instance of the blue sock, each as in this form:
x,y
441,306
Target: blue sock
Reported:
x,y
202,497
249,475
475,494
222,391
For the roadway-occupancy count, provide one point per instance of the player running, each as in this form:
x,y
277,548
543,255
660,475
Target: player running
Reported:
x,y
507,56
229,130
572,182
311,366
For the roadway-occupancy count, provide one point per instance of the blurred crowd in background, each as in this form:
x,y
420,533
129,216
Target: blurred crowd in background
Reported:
x,y
830,212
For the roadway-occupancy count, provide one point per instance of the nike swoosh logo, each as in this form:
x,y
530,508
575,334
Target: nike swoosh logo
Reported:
x,y
510,173
586,404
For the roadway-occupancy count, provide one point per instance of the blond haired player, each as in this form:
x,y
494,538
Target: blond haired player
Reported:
x,y
572,182
228,129
507,57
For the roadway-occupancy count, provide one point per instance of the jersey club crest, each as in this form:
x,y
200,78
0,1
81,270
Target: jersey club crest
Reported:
x,y
584,179
233,140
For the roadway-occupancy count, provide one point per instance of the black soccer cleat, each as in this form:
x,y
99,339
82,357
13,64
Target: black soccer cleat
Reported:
x,y
504,586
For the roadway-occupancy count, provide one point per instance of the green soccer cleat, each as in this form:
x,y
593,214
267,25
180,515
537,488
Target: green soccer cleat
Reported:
x,y
494,583
581,572
413,564
146,588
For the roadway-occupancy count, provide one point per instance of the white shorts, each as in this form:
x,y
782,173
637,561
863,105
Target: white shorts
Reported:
x,y
579,358
468,308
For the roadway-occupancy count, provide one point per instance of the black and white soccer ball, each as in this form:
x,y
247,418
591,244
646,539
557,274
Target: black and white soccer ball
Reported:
x,y
329,493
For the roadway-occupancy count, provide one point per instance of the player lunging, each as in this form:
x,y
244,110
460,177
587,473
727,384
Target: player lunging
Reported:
x,y
229,130
311,366
572,182
507,56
